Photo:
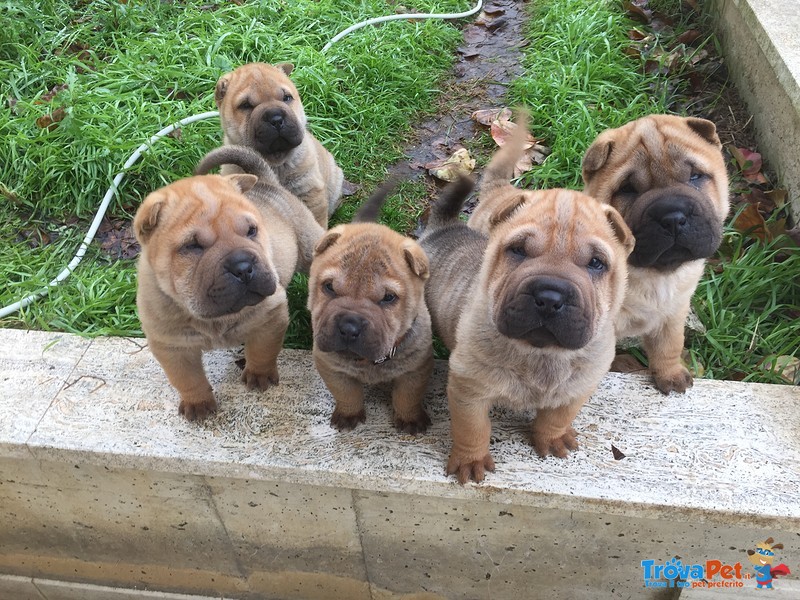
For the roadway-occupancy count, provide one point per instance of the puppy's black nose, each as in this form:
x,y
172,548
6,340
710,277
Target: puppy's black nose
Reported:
x,y
240,265
550,295
673,221
351,326
548,301
274,118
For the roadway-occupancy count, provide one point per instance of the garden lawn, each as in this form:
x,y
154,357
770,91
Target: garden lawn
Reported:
x,y
85,83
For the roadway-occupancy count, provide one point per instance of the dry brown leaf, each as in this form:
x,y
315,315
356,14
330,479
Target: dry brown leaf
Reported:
x,y
449,169
750,222
502,131
487,115
51,120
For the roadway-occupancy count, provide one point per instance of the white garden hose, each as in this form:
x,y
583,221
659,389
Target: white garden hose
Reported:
x,y
101,211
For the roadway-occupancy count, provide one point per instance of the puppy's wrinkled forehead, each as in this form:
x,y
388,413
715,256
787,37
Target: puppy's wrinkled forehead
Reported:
x,y
365,254
265,78
558,219
656,150
203,201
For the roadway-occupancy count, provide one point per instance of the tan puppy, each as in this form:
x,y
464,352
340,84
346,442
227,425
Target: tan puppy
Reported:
x,y
212,274
371,325
666,176
528,312
259,107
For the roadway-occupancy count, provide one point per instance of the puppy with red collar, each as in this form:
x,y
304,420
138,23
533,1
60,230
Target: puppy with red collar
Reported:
x,y
366,294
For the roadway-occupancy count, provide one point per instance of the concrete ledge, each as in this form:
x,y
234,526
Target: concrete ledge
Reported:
x,y
102,482
762,50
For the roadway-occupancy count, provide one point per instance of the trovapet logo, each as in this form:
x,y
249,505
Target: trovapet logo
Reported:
x,y
712,573
715,573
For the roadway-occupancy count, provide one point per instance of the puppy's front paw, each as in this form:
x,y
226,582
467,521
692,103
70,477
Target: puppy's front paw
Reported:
x,y
344,422
466,468
559,446
419,424
676,380
259,379
197,407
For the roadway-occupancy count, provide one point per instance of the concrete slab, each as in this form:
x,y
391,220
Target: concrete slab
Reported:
x,y
762,51
34,366
266,500
64,590
290,538
453,548
707,453
19,588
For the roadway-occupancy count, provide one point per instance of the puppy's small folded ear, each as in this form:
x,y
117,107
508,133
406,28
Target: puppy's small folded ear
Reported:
x,y
286,67
705,129
596,156
242,181
328,240
621,230
416,259
146,217
221,89
506,209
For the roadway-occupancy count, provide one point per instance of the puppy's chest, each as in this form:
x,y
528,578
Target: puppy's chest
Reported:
x,y
369,373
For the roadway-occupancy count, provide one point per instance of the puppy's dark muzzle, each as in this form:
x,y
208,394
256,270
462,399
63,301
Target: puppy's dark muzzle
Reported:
x,y
350,333
674,227
545,311
242,281
274,129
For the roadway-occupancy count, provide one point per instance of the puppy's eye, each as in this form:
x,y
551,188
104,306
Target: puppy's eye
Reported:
x,y
252,231
388,298
696,178
597,266
627,188
245,105
192,246
327,287
517,251
287,97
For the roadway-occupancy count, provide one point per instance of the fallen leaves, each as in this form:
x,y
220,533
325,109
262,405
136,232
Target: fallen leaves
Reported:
x,y
501,129
458,164
117,239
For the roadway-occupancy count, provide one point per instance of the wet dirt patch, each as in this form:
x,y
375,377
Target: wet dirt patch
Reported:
x,y
489,58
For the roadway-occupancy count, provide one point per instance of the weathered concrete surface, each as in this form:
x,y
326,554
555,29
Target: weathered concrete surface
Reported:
x,y
762,50
101,481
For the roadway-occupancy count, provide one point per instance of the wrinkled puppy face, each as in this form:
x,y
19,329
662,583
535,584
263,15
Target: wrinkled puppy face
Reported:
x,y
366,287
206,244
260,108
556,262
666,176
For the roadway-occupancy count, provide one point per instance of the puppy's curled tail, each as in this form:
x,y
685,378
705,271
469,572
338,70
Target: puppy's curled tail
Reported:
x,y
368,212
447,206
247,159
500,169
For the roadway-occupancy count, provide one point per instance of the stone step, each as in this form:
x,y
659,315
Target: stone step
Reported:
x,y
102,482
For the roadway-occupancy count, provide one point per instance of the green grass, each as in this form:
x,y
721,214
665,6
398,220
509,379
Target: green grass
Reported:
x,y
125,70
129,69
578,82
750,306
